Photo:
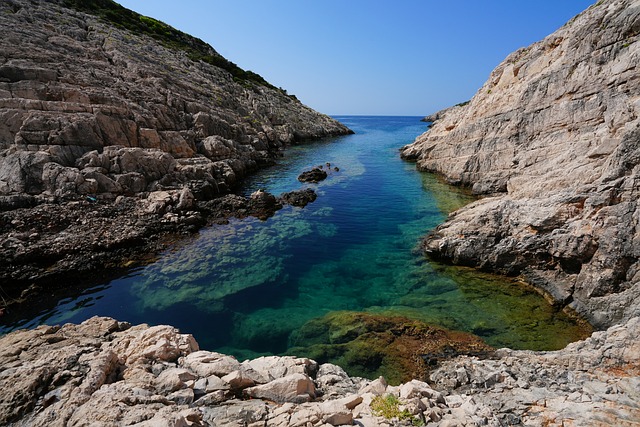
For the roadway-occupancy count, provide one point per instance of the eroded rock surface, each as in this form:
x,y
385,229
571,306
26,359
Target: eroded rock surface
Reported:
x,y
104,372
590,382
111,138
71,85
553,140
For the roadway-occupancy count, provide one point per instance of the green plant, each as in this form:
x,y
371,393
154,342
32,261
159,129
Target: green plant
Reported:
x,y
388,406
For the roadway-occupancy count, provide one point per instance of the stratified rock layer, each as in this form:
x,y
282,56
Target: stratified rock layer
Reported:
x,y
117,135
104,372
553,139
71,85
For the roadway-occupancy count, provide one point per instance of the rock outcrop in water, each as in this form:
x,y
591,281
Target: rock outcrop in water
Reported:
x,y
121,117
553,141
104,372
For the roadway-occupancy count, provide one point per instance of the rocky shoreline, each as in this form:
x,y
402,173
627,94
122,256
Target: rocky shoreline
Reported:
x,y
118,134
60,245
107,153
104,372
551,142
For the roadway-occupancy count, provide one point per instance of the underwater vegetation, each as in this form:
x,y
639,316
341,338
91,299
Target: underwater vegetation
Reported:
x,y
373,345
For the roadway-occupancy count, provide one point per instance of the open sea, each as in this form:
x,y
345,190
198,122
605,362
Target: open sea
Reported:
x,y
245,288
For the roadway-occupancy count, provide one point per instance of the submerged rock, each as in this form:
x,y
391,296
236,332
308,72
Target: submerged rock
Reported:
x,y
72,240
373,345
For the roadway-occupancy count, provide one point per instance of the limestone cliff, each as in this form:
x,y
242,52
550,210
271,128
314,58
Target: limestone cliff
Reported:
x,y
553,140
72,83
114,127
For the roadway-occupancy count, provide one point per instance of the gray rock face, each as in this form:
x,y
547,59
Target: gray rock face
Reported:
x,y
595,379
73,88
109,139
553,137
105,372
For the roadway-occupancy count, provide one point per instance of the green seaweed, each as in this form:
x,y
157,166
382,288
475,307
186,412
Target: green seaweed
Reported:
x,y
448,198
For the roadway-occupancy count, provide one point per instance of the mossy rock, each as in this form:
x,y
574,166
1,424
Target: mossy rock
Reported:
x,y
372,345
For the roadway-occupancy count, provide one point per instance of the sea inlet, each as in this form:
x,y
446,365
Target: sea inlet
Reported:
x,y
254,287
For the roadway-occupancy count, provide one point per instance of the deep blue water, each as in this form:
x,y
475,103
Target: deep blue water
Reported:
x,y
245,287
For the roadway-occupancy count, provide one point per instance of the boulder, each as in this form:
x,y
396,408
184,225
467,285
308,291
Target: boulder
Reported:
x,y
313,175
58,179
299,198
210,384
218,148
294,388
21,172
276,367
132,182
105,184
174,379
263,204
238,381
206,364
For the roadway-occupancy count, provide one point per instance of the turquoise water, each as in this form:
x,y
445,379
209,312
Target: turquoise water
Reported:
x,y
245,288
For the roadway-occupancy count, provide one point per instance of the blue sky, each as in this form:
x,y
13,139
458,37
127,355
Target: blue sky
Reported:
x,y
373,57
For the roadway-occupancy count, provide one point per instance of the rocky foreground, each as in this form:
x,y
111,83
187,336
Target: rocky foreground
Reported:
x,y
553,138
117,131
104,373
553,142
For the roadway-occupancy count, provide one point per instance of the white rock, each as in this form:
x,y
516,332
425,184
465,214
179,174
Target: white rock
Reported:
x,y
377,387
206,363
295,388
237,381
274,367
173,379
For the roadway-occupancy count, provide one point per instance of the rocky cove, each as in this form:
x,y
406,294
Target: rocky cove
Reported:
x,y
276,285
571,234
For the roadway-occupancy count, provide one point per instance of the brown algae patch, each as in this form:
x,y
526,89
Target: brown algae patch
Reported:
x,y
373,345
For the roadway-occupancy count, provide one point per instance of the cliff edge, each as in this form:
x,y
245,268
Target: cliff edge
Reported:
x,y
114,127
552,140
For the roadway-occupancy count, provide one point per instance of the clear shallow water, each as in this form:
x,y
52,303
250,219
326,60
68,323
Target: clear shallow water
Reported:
x,y
245,288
